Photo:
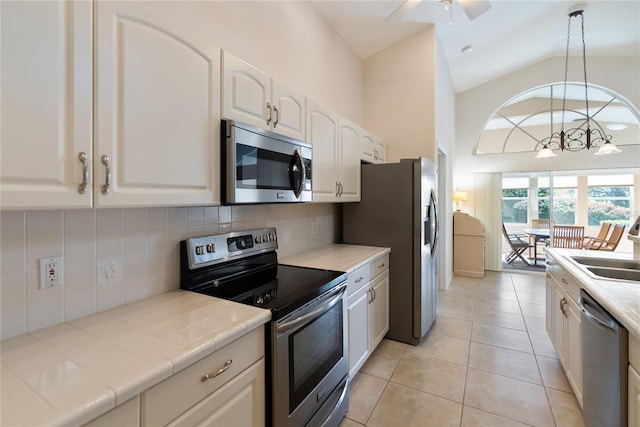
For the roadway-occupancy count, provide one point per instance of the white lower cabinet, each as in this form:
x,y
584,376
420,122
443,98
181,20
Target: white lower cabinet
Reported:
x,y
226,388
368,310
563,323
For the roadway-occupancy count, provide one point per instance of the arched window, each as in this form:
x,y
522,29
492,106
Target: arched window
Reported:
x,y
522,122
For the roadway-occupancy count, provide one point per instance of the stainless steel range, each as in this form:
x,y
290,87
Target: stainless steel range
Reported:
x,y
307,379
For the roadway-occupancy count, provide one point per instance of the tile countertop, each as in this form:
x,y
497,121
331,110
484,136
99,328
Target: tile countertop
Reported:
x,y
70,373
337,257
620,297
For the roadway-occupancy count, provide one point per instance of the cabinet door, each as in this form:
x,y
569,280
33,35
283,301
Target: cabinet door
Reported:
x,y
634,397
46,92
241,402
573,347
322,133
379,310
349,162
557,310
367,142
246,91
380,152
549,312
157,111
357,315
289,112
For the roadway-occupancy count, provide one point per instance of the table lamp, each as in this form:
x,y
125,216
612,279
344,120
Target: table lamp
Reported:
x,y
460,196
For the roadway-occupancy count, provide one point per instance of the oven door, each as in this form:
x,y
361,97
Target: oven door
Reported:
x,y
263,167
310,361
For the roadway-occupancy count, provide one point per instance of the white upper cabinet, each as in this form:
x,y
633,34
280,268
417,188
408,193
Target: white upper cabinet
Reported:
x,y
322,133
46,103
252,97
373,150
157,115
349,161
336,155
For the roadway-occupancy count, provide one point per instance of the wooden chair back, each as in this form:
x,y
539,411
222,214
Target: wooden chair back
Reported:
x,y
612,242
596,242
542,223
568,236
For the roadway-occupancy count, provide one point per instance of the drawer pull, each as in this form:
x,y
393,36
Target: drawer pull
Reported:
x,y
563,280
226,366
359,279
381,265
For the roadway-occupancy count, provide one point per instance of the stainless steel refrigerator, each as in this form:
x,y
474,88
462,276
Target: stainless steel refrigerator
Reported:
x,y
398,210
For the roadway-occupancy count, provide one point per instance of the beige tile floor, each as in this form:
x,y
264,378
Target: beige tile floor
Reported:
x,y
486,362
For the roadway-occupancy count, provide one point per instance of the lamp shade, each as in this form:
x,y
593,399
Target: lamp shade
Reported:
x,y
460,196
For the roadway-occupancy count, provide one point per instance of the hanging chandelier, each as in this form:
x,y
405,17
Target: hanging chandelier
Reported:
x,y
582,137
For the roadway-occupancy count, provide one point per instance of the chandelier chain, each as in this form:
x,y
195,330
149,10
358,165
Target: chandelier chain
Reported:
x,y
584,65
566,73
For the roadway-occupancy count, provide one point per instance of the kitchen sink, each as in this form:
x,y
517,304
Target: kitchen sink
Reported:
x,y
616,273
608,262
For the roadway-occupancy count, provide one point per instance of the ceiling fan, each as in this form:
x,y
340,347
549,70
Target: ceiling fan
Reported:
x,y
472,8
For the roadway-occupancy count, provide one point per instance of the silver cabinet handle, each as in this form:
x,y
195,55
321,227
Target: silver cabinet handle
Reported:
x,y
337,189
359,279
82,188
374,294
370,299
226,366
107,179
269,118
275,122
563,280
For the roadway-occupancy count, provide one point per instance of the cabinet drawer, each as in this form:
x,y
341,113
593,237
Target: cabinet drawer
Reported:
x,y
379,265
358,278
567,282
175,395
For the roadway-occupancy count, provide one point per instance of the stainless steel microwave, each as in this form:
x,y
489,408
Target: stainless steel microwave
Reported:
x,y
263,167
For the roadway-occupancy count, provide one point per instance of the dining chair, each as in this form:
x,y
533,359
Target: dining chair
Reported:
x,y
594,243
568,236
518,245
540,224
611,243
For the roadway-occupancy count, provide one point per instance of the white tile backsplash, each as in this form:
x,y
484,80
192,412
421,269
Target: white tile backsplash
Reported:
x,y
145,239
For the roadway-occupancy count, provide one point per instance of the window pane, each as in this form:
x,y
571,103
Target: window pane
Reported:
x,y
514,211
609,204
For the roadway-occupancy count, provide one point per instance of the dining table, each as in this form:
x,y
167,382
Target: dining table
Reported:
x,y
537,234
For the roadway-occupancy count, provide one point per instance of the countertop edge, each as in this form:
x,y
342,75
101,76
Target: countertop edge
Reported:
x,y
598,290
107,394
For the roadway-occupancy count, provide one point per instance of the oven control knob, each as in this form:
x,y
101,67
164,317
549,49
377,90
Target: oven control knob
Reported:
x,y
211,248
265,238
272,237
259,300
199,250
241,244
258,239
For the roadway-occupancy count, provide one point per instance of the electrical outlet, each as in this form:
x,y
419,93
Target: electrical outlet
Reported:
x,y
314,227
51,272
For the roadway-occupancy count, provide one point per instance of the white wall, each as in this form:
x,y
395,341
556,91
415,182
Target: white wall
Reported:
x,y
289,41
399,96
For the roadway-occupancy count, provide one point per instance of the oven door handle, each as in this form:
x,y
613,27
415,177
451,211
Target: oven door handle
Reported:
x,y
306,318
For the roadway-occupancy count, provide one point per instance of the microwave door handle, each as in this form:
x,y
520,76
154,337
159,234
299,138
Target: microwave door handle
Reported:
x,y
297,169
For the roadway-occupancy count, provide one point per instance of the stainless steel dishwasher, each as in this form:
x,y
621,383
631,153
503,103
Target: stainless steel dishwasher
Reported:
x,y
605,357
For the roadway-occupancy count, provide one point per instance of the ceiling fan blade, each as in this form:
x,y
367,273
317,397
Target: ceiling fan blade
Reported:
x,y
474,8
402,10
